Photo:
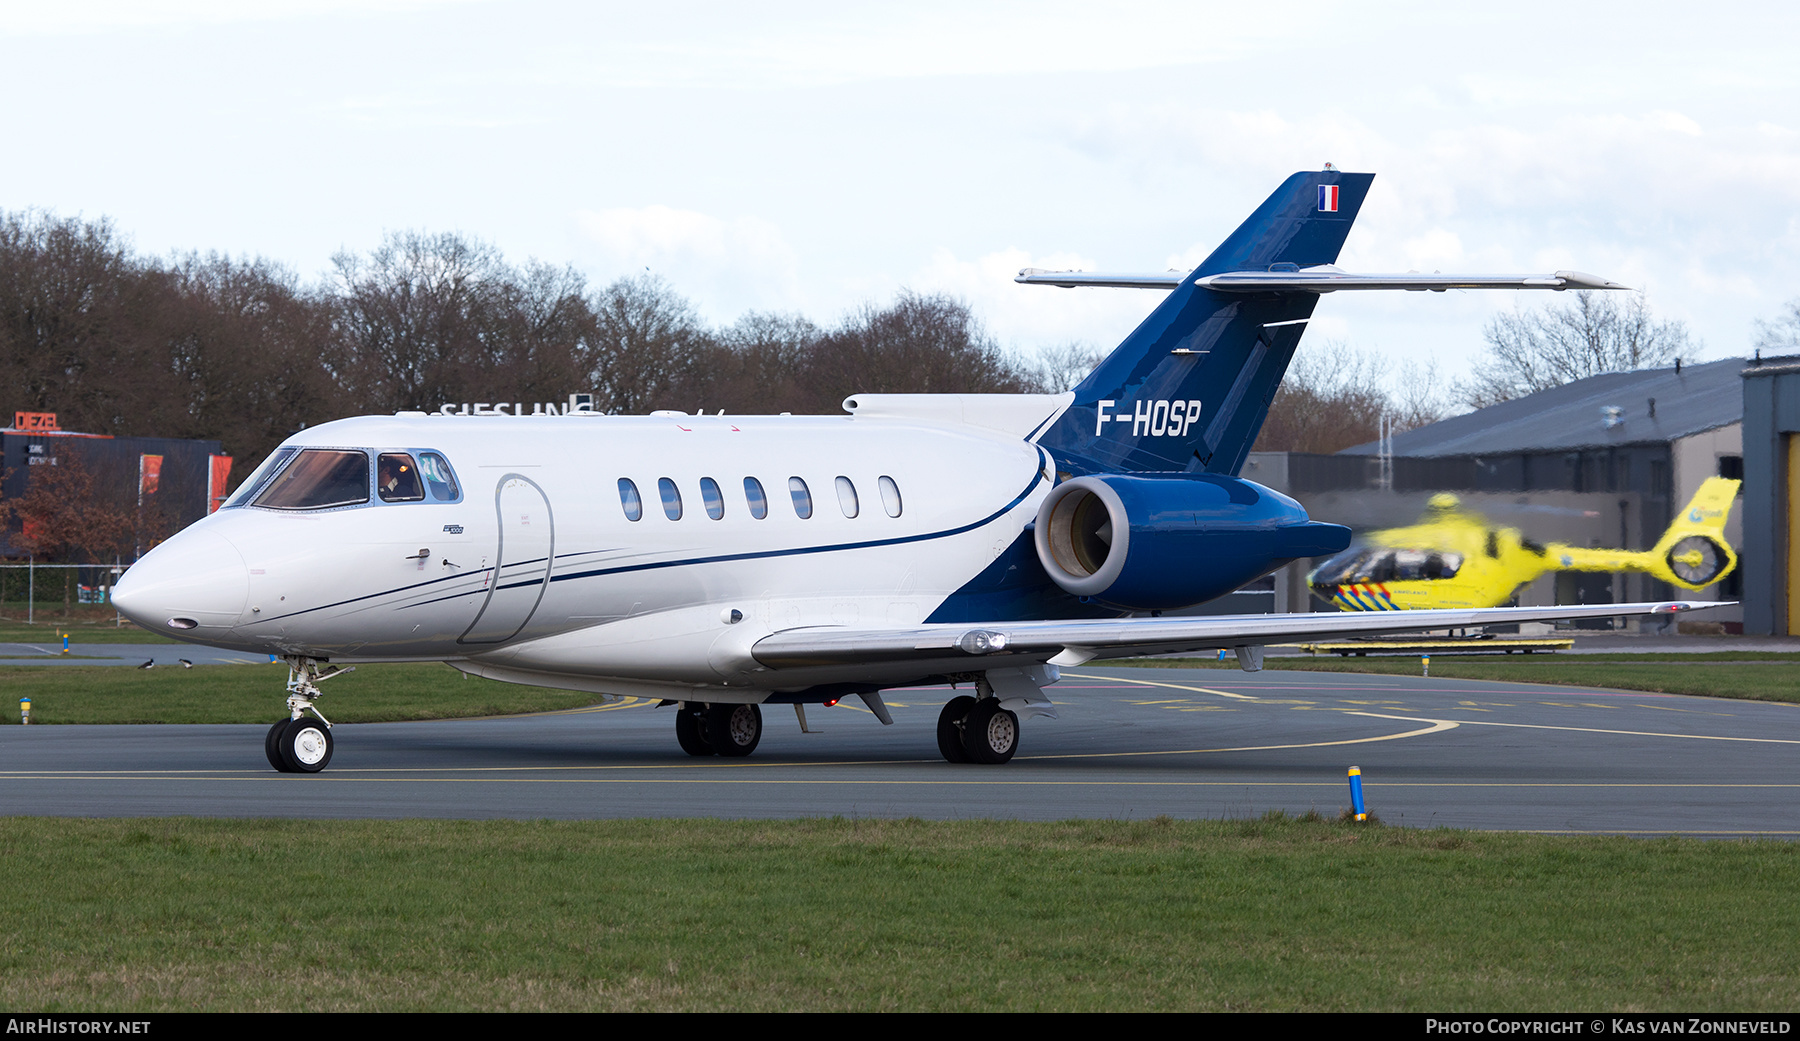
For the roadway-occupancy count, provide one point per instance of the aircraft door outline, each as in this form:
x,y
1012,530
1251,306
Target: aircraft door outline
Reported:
x,y
511,602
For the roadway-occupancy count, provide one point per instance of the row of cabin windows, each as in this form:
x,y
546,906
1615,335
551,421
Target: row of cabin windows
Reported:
x,y
713,498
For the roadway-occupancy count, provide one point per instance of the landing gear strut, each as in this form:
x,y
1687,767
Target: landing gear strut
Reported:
x,y
733,731
297,745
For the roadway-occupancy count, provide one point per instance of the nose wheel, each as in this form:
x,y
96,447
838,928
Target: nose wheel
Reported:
x,y
297,744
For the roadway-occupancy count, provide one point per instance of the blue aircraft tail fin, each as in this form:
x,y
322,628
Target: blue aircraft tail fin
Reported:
x,y
1190,387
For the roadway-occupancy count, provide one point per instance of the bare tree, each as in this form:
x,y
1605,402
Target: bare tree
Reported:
x,y
645,346
918,345
1334,397
1593,333
252,355
416,315
1783,334
758,364
1060,368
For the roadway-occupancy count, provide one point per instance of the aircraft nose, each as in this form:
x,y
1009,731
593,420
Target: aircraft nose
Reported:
x,y
194,584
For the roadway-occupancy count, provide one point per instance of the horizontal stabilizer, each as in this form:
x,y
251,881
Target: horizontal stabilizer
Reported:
x,y
1323,279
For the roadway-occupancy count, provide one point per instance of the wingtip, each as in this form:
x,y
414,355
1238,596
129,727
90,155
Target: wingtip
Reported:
x,y
1583,280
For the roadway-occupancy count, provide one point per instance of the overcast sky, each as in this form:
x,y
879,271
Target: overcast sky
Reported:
x,y
810,157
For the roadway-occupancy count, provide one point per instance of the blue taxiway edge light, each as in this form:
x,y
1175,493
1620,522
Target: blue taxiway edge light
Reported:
x,y
1356,796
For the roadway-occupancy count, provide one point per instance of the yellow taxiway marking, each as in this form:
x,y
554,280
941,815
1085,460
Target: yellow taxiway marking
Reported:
x,y
1437,725
628,702
1173,686
1588,730
1335,784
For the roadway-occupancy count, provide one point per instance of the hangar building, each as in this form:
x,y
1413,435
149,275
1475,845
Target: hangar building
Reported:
x,y
1604,461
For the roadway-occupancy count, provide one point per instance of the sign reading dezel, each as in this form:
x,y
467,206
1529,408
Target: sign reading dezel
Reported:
x,y
35,421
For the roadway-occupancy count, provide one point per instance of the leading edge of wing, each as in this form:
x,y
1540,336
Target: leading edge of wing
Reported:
x,y
1315,280
1072,642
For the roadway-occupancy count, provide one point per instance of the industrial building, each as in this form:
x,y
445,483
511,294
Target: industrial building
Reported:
x,y
1604,461
171,481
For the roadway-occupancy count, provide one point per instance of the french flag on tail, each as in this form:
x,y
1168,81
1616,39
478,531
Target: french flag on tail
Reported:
x,y
1328,198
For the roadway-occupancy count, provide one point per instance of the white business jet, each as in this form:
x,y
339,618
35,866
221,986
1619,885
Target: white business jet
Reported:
x,y
725,563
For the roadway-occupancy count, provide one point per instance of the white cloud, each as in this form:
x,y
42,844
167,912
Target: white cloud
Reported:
x,y
1026,317
724,266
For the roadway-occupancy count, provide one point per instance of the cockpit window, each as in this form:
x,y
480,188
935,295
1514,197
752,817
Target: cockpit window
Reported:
x,y
254,483
438,477
397,478
317,479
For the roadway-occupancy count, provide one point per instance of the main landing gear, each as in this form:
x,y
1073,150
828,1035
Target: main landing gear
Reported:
x,y
728,730
971,731
298,745
985,728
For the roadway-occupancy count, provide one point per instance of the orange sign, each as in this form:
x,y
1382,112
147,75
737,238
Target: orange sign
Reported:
x,y
149,473
221,473
35,421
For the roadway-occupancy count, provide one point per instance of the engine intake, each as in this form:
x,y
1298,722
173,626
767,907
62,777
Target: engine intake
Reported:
x,y
1158,541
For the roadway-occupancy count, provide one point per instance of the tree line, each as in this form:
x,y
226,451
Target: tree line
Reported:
x,y
241,350
213,347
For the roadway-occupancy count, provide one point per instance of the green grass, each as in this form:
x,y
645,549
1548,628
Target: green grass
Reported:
x,y
1270,914
256,693
1758,678
90,628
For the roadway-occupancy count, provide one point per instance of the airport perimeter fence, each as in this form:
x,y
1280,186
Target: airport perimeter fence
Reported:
x,y
29,589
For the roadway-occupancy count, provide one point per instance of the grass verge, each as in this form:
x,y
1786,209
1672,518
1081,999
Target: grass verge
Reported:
x,y
254,693
1277,913
1763,678
49,629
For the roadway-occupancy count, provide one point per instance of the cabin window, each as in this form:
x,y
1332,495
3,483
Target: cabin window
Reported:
x,y
254,483
671,497
802,497
712,497
397,478
846,496
890,496
753,494
630,499
317,479
440,480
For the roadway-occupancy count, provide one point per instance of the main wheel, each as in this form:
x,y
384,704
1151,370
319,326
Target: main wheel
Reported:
x,y
950,734
305,746
690,733
272,744
733,730
991,733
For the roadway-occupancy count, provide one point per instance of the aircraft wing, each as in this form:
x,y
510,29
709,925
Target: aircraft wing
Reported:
x,y
1324,279
1073,642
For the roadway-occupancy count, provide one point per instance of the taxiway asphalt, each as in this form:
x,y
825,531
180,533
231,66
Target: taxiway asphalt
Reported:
x,y
1130,743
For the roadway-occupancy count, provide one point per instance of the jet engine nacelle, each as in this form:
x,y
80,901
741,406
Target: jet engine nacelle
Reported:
x,y
1163,540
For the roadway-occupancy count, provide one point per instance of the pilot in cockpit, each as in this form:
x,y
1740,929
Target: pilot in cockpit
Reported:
x,y
397,479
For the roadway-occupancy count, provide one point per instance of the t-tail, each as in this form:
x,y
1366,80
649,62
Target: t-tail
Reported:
x,y
1189,389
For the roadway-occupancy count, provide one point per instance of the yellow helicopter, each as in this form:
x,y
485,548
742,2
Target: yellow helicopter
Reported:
x,y
1455,559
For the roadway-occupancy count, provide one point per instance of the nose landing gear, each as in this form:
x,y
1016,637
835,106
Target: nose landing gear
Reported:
x,y
297,745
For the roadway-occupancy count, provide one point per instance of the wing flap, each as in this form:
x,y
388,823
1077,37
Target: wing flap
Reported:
x,y
1061,642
